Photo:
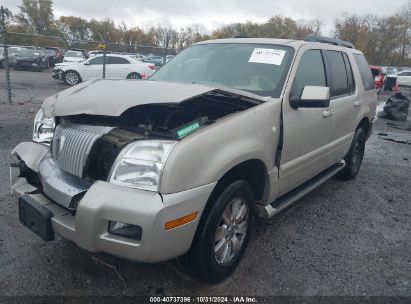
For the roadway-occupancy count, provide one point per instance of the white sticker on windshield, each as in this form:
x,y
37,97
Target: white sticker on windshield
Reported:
x,y
267,56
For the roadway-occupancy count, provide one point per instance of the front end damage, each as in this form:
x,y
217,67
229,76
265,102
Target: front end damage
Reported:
x,y
100,204
71,177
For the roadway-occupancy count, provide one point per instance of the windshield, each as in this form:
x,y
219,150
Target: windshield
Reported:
x,y
256,68
29,53
74,54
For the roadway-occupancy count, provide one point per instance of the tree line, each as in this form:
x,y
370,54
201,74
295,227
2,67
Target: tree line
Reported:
x,y
385,40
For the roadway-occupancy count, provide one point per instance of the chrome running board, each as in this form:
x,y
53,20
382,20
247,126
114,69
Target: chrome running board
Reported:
x,y
291,197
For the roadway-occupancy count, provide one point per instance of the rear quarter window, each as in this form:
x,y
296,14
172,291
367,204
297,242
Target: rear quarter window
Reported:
x,y
365,72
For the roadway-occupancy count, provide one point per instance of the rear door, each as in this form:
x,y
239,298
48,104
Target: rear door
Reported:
x,y
345,100
307,131
117,67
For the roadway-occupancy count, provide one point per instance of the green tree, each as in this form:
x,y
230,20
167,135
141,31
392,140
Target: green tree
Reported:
x,y
74,28
37,16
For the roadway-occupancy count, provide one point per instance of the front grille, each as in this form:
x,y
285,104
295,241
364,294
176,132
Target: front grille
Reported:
x,y
71,146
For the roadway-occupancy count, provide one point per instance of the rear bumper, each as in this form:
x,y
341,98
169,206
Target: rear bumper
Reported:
x,y
105,202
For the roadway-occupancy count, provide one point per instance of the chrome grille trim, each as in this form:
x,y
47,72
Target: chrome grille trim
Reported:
x,y
71,145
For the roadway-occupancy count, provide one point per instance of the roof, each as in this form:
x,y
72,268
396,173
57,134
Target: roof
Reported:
x,y
296,44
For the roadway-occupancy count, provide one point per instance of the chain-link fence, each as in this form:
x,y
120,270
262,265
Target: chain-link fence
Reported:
x,y
33,67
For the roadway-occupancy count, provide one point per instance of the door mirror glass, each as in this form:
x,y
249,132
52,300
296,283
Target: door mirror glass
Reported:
x,y
312,97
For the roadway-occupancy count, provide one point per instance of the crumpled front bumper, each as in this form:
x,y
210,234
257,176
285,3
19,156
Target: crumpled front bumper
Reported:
x,y
105,202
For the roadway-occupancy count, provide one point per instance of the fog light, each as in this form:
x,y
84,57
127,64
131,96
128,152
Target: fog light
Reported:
x,y
125,230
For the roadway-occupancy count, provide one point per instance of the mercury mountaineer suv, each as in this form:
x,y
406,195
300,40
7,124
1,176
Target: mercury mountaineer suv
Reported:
x,y
182,164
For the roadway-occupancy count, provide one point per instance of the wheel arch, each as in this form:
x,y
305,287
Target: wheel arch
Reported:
x,y
253,171
366,125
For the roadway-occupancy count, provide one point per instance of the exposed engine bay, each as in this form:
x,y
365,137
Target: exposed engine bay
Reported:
x,y
154,121
164,120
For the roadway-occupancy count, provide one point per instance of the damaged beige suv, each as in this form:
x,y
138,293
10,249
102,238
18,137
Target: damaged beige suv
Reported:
x,y
182,164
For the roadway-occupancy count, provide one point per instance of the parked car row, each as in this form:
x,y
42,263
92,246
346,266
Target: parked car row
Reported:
x,y
31,58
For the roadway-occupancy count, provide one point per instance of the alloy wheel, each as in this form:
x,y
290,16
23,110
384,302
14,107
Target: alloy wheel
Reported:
x,y
231,231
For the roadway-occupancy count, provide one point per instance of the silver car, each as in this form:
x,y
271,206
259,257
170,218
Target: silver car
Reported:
x,y
181,165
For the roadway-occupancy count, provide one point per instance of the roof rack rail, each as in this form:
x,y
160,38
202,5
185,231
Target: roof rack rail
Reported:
x,y
333,41
241,36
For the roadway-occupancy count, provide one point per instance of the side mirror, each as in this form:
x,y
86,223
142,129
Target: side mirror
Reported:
x,y
87,63
312,97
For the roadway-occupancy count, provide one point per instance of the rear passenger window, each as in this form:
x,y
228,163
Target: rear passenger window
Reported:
x,y
365,72
341,82
350,75
117,60
310,72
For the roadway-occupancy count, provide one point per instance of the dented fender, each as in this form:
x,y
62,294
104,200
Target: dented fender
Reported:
x,y
31,153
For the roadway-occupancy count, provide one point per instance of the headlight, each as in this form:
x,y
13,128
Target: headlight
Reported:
x,y
43,130
140,164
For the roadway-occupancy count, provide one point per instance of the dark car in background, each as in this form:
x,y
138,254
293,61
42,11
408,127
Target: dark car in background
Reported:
x,y
52,57
59,53
31,59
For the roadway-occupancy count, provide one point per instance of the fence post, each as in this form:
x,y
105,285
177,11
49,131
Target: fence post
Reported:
x,y
104,61
5,51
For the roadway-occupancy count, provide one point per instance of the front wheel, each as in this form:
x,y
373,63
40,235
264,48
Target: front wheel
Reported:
x,y
222,235
354,157
72,77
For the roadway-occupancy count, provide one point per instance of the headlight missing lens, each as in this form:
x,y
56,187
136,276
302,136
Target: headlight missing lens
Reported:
x,y
140,164
43,129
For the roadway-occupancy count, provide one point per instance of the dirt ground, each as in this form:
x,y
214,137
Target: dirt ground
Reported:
x,y
345,238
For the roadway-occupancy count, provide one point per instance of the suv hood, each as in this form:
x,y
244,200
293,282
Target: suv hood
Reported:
x,y
114,97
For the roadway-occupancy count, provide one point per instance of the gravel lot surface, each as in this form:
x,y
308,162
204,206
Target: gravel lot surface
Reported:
x,y
345,238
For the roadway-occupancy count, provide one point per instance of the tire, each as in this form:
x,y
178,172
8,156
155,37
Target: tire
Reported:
x,y
206,259
134,76
354,157
71,77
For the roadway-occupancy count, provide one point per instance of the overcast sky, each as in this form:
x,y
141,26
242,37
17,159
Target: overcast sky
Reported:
x,y
213,13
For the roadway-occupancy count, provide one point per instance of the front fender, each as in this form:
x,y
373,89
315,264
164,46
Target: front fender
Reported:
x,y
205,156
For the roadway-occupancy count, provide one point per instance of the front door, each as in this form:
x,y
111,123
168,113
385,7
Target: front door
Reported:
x,y
92,69
307,131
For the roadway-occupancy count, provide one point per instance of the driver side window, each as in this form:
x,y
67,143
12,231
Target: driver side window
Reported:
x,y
310,72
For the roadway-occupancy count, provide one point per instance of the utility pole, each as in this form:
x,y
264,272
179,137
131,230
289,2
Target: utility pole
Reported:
x,y
3,33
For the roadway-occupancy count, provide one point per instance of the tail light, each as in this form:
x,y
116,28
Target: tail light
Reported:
x,y
152,67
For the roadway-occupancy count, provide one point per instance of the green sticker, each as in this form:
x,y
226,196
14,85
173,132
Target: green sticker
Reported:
x,y
183,132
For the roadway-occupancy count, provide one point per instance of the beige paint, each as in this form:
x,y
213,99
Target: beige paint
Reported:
x,y
313,140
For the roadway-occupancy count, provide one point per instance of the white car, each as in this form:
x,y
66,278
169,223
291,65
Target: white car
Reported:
x,y
117,67
404,78
73,56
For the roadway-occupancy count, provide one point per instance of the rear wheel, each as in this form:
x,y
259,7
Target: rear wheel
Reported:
x,y
72,77
353,159
222,235
134,76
